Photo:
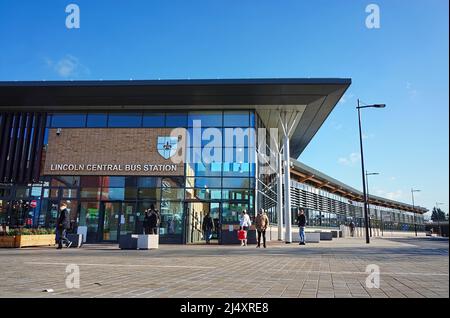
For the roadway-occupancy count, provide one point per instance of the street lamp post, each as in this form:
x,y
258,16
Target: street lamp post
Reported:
x,y
414,209
366,217
368,197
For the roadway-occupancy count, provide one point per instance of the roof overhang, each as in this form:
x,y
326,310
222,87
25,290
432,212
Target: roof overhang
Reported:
x,y
329,184
303,103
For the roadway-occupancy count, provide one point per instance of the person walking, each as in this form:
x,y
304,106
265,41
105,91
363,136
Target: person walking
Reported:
x,y
262,223
244,223
63,225
301,226
352,228
207,227
146,222
153,220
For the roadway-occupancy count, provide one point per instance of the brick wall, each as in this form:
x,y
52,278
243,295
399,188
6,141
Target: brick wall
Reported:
x,y
116,146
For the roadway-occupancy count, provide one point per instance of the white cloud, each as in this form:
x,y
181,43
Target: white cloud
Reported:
x,y
68,66
350,160
412,92
396,195
392,195
393,178
367,136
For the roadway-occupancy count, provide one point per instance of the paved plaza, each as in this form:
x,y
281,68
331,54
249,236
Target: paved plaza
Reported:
x,y
409,267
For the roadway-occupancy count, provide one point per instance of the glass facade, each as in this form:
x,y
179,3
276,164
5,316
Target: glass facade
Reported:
x,y
110,206
325,209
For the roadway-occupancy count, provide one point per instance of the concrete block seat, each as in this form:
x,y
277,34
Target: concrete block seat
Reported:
x,y
76,239
128,241
336,233
147,241
312,237
326,236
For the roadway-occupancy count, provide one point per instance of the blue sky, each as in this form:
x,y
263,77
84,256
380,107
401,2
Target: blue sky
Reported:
x,y
403,64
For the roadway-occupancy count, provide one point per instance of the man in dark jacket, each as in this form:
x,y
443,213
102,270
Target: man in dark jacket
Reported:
x,y
63,224
301,226
207,227
153,220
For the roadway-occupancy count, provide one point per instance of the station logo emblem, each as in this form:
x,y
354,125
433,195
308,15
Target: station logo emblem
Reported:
x,y
167,146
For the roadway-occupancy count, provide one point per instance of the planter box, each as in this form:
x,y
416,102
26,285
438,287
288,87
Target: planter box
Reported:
x,y
27,240
35,240
8,241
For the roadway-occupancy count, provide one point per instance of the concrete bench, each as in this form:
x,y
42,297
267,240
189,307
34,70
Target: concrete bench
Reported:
x,y
326,236
336,233
128,242
312,237
145,242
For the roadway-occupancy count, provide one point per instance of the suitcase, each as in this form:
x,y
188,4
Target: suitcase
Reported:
x,y
242,235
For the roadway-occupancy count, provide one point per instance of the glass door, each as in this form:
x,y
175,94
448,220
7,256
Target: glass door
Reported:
x,y
128,218
195,213
111,213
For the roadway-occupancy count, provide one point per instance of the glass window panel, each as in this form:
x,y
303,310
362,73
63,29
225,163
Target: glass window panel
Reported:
x,y
5,192
22,192
204,170
240,137
171,218
203,182
89,217
172,193
68,120
153,120
119,193
236,169
213,137
69,193
54,193
90,181
207,118
203,194
124,120
235,194
252,119
119,182
235,118
49,121
176,120
97,120
174,182
149,182
149,193
231,211
90,193
65,181
237,183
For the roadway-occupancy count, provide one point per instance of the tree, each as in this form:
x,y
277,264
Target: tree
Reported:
x,y
438,215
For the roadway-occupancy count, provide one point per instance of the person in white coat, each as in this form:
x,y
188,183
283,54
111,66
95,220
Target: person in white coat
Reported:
x,y
245,224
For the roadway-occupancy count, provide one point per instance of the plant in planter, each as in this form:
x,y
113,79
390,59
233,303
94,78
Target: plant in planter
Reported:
x,y
28,237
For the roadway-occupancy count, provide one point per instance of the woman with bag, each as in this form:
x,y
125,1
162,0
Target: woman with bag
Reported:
x,y
244,223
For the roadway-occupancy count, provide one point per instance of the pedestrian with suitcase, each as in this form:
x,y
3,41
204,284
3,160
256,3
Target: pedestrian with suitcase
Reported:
x,y
244,223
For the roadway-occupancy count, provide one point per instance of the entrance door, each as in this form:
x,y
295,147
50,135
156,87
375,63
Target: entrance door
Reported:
x,y
194,214
111,214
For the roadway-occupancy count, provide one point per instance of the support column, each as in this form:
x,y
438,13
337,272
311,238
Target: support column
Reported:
x,y
287,190
257,194
280,196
